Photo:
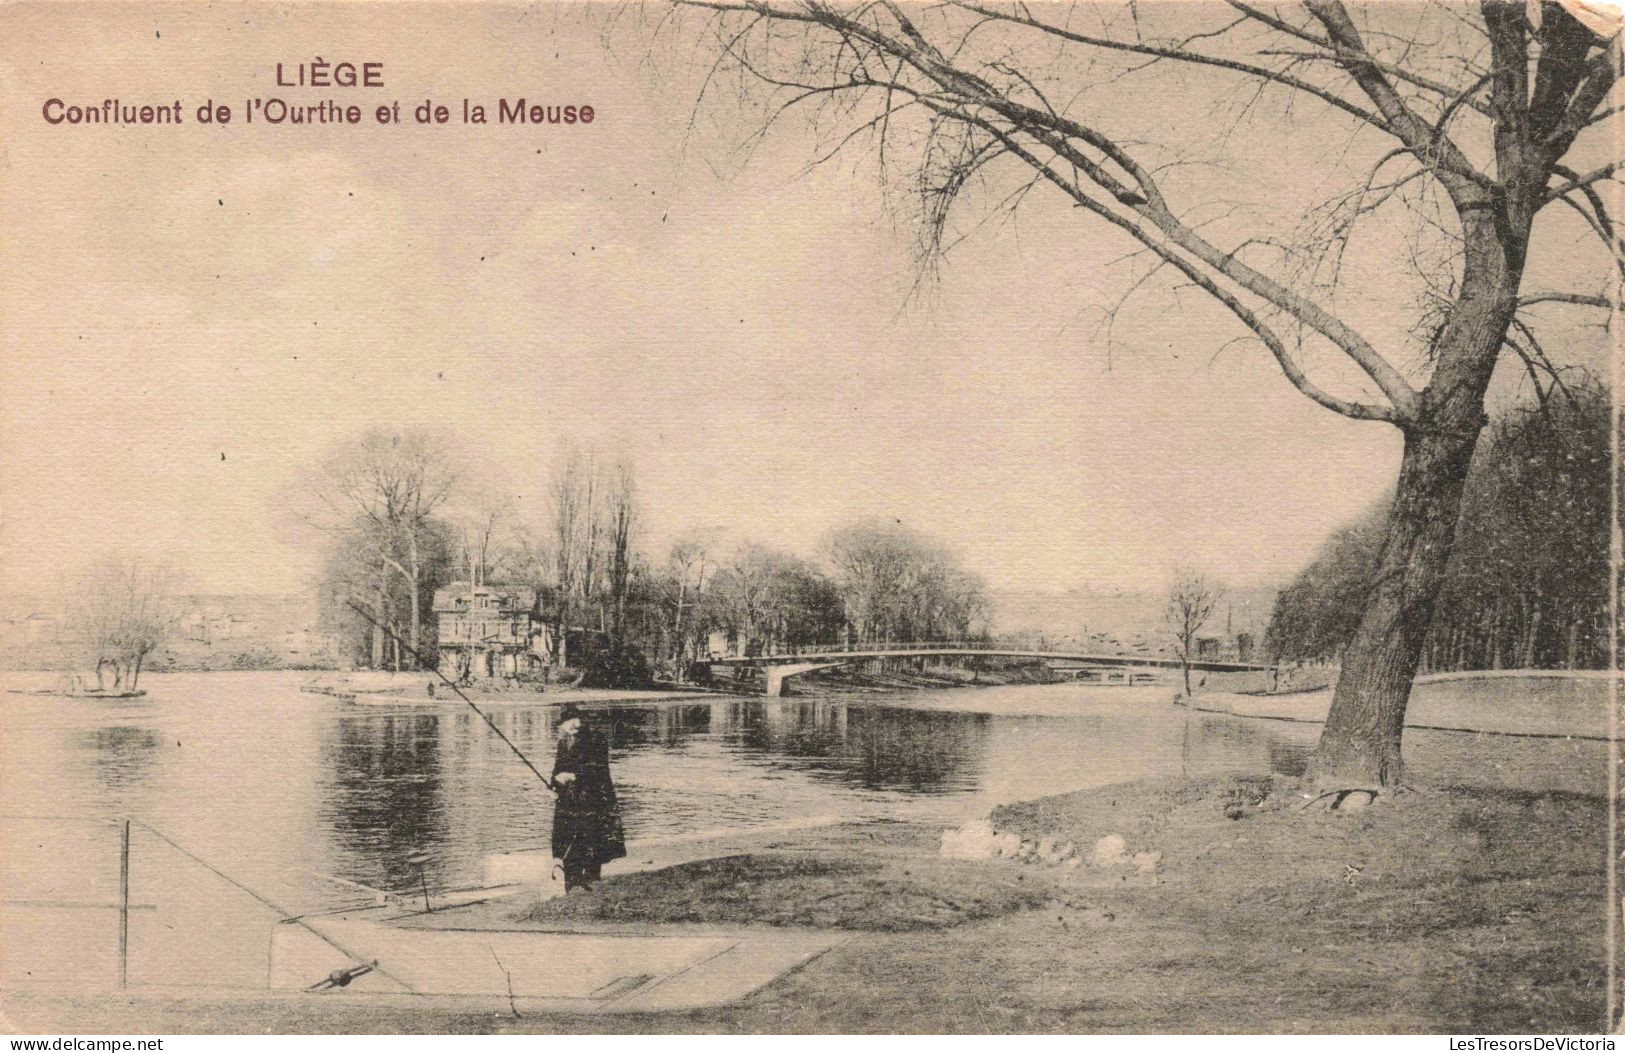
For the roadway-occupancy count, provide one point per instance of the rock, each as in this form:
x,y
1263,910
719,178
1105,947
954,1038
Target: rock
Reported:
x,y
1146,862
1110,851
1007,845
1073,861
1354,800
974,840
1051,853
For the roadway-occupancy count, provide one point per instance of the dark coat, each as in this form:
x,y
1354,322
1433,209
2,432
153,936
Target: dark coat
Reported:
x,y
586,816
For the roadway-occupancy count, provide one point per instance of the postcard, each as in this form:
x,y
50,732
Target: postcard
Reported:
x,y
796,517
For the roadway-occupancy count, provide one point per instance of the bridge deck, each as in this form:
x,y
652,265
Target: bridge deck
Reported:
x,y
1204,665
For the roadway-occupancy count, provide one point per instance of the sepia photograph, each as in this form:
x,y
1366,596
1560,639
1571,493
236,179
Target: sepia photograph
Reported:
x,y
804,517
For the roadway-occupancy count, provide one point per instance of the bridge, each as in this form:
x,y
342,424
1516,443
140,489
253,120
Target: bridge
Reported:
x,y
780,666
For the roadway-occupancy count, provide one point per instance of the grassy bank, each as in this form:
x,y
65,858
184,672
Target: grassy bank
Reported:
x,y
1439,910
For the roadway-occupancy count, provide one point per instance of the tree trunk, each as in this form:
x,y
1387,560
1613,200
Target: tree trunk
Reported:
x,y
1361,742
417,624
1497,634
562,627
135,672
677,632
378,616
1531,637
414,584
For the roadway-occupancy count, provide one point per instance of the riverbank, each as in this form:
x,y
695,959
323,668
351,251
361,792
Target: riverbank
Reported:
x,y
382,688
1514,702
371,687
1437,910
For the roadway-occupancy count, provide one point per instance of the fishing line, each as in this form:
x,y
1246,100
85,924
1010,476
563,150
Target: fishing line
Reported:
x,y
287,915
517,752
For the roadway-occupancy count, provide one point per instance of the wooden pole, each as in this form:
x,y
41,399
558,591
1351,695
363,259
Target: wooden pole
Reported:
x,y
124,905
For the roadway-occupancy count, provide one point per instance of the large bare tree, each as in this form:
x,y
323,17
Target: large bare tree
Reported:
x,y
1471,120
379,493
566,537
621,516
1192,597
899,585
690,560
120,611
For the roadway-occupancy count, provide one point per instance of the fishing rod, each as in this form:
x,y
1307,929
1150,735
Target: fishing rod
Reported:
x,y
409,649
336,978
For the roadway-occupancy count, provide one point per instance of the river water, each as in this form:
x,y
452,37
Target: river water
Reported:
x,y
275,786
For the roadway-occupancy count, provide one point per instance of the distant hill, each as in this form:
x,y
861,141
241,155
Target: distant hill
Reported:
x,y
272,612
210,631
1124,613
275,611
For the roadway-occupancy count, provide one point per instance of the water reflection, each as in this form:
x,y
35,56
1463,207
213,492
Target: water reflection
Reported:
x,y
270,779
1219,745
869,747
647,726
384,798
121,757
909,751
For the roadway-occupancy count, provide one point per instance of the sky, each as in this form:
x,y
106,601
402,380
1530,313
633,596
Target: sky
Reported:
x,y
192,316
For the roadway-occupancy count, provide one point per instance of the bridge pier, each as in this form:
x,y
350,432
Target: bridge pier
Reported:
x,y
778,675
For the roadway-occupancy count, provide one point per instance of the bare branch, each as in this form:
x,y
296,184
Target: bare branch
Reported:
x,y
1580,299
1438,151
1181,55
1578,181
1289,366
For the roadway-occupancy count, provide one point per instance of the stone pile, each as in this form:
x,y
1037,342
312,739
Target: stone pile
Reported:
x,y
979,841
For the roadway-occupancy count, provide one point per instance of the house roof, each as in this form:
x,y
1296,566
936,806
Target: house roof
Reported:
x,y
454,597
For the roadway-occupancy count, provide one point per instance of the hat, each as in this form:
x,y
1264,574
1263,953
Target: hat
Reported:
x,y
569,711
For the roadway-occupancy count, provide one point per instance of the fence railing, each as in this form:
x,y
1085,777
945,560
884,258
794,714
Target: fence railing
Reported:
x,y
71,886
881,646
864,647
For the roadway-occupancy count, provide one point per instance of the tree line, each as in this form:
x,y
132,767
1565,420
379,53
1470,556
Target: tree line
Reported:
x,y
1478,142
407,511
1527,585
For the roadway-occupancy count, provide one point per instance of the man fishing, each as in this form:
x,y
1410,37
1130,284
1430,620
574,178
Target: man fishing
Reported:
x,y
586,816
